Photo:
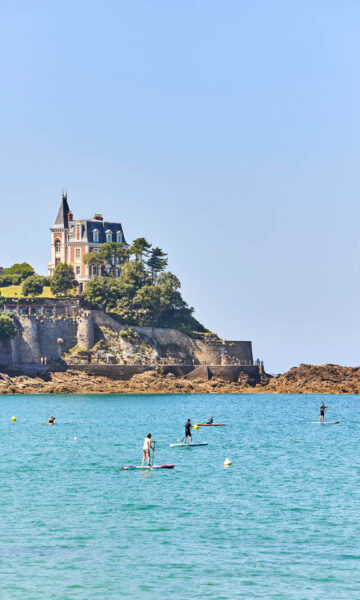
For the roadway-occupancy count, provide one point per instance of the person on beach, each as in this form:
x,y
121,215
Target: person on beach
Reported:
x,y
210,421
322,412
188,427
146,449
51,420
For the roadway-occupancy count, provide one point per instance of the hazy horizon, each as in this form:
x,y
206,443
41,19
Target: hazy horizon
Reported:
x,y
225,133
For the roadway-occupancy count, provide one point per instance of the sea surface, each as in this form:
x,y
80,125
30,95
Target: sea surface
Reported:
x,y
282,522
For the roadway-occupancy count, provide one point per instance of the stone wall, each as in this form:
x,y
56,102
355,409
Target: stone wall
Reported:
x,y
52,337
125,372
37,337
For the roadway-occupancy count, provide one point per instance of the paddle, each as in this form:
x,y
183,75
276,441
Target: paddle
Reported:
x,y
153,454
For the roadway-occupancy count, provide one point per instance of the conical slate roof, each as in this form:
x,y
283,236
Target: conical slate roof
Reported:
x,y
62,217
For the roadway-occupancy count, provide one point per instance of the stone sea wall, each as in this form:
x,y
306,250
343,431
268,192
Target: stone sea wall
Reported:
x,y
95,337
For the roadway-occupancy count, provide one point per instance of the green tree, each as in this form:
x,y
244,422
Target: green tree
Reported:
x,y
63,279
157,262
132,277
93,259
33,286
8,328
149,304
102,292
110,257
24,270
140,249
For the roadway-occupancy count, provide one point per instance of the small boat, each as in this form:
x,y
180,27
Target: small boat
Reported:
x,y
182,445
146,467
211,424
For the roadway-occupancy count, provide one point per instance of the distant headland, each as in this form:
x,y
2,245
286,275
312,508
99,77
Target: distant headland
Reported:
x,y
108,309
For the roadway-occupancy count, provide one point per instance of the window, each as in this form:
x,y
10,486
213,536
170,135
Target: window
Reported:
x,y
57,245
108,236
96,236
119,237
77,254
78,269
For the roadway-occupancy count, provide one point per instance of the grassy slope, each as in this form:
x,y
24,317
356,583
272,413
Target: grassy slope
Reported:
x,y
14,291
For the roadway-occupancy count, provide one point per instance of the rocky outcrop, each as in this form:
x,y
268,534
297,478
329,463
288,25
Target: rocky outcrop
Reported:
x,y
316,379
304,379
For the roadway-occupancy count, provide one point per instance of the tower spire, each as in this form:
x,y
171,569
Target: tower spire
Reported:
x,y
62,216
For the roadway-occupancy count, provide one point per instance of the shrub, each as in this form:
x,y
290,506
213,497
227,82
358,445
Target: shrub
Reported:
x,y
33,286
6,280
7,327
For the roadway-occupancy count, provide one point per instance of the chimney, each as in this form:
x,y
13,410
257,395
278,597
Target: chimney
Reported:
x,y
98,217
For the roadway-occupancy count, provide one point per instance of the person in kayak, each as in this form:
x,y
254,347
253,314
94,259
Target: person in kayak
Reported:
x,y
322,412
146,449
51,420
210,421
188,427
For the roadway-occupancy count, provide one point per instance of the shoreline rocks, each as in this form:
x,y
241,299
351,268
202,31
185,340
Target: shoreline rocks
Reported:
x,y
305,379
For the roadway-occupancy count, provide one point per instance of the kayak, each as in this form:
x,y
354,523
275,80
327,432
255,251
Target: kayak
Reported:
x,y
129,468
211,424
182,445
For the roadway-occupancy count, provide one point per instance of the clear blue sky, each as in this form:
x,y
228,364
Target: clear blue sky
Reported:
x,y
225,132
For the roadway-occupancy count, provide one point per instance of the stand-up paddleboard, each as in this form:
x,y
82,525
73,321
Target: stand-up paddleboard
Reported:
x,y
323,422
211,424
130,468
182,445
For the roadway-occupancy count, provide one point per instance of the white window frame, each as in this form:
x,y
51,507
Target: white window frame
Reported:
x,y
78,270
77,254
119,237
108,234
96,236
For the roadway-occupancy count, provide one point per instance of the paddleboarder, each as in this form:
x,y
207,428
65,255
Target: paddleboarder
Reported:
x,y
210,421
322,412
146,449
51,420
188,427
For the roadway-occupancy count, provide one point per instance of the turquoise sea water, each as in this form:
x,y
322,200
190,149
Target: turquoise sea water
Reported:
x,y
282,522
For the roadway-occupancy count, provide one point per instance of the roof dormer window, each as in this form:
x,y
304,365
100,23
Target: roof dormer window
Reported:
x,y
119,237
109,236
96,236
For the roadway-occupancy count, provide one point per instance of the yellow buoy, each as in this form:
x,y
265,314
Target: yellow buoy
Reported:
x,y
196,427
227,462
13,418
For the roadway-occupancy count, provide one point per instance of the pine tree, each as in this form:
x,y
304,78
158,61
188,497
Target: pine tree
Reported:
x,y
157,262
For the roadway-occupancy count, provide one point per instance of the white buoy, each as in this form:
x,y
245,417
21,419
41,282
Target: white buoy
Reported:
x,y
227,462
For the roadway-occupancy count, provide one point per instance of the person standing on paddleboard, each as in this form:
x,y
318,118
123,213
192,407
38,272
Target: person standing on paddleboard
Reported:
x,y
146,449
188,427
322,412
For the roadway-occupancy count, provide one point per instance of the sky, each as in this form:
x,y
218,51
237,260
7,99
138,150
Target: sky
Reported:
x,y
225,132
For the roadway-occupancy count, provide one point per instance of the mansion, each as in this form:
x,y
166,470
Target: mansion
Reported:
x,y
72,238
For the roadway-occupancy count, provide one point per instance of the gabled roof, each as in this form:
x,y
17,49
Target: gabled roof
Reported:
x,y
62,217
